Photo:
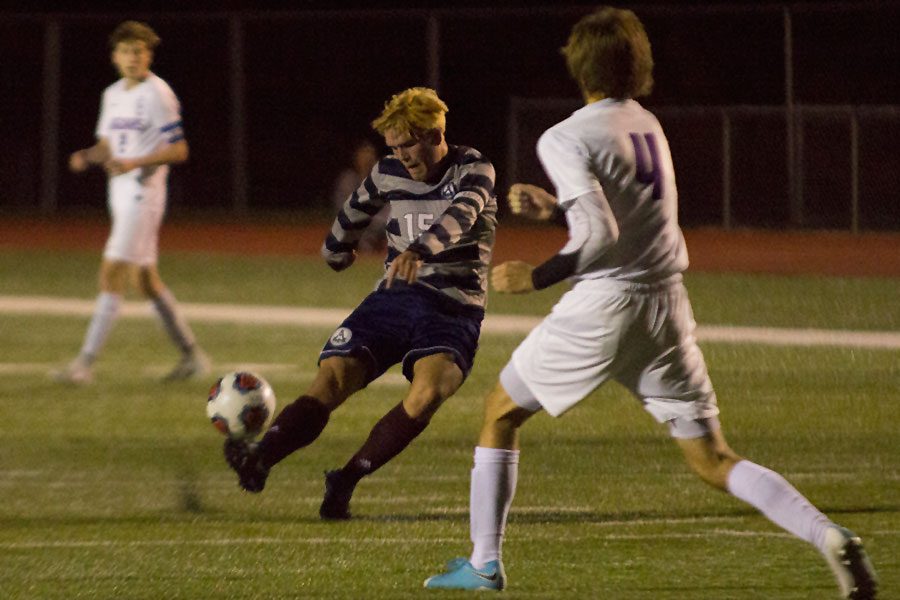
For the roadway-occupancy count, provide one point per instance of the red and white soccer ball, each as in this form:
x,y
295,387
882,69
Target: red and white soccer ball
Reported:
x,y
241,405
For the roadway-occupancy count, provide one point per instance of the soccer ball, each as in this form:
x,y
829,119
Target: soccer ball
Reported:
x,y
241,405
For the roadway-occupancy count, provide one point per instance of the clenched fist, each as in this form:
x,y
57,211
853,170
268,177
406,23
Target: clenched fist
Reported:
x,y
512,277
531,201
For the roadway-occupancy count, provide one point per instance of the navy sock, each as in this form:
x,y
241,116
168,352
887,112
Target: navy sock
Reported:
x,y
296,426
388,438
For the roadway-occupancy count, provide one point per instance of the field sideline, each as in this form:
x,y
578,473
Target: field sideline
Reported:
x,y
785,252
493,323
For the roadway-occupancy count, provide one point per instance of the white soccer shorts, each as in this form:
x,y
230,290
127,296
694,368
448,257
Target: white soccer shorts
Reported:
x,y
639,335
136,219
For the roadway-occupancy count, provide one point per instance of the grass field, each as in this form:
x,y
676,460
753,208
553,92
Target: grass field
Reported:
x,y
118,490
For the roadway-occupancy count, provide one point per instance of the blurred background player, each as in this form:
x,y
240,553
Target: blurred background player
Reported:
x,y
426,312
139,133
364,158
627,318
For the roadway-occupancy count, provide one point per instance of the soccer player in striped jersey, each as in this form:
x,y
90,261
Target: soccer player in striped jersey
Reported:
x,y
627,317
427,309
139,134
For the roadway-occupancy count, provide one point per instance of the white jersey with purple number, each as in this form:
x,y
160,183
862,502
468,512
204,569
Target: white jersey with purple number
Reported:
x,y
629,317
137,122
617,150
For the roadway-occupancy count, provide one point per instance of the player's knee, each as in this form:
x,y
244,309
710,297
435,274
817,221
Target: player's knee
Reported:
x,y
714,469
148,283
422,407
501,412
502,419
337,378
114,277
425,398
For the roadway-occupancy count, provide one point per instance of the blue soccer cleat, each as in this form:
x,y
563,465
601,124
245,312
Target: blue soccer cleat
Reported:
x,y
461,575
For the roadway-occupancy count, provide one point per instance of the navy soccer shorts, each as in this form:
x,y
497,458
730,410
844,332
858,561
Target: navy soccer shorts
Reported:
x,y
406,323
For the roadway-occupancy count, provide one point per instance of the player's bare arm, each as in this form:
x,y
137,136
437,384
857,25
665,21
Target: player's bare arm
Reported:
x,y
513,277
405,268
169,154
81,160
531,201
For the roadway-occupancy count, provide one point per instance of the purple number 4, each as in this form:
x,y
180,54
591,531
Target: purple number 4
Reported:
x,y
647,167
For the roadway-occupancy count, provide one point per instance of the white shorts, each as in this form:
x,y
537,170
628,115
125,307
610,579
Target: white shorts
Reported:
x,y
639,335
134,235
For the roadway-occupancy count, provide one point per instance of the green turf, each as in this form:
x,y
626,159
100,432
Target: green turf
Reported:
x,y
118,490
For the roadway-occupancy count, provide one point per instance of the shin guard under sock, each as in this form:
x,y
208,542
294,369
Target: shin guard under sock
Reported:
x,y
296,426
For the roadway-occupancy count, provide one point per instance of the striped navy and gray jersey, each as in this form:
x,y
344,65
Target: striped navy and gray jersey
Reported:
x,y
450,223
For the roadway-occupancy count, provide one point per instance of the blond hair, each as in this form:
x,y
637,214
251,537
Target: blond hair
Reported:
x,y
413,111
130,31
608,52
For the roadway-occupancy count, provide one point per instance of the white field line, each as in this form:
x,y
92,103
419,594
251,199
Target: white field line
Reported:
x,y
387,380
497,324
401,541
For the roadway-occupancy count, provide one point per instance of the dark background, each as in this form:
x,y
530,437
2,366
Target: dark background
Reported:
x,y
317,73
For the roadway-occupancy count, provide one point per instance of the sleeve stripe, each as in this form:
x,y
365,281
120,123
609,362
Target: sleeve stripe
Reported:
x,y
468,201
348,225
441,234
370,208
170,126
333,245
462,214
477,180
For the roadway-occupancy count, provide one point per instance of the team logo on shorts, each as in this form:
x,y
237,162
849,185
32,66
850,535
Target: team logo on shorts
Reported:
x,y
341,336
449,190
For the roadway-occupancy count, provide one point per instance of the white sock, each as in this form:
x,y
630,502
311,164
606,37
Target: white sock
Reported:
x,y
106,309
779,501
177,328
493,487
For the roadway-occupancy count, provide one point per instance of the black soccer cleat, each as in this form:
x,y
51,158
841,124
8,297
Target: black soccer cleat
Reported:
x,y
246,462
338,491
850,563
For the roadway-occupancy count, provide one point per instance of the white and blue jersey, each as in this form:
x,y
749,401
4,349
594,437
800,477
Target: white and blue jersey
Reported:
x,y
136,122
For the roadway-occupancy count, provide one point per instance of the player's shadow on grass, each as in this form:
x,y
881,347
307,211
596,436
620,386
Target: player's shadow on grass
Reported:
x,y
310,517
592,516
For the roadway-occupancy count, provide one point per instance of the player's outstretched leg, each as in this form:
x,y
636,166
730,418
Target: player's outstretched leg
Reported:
x,y
851,566
461,575
244,458
393,432
297,425
785,506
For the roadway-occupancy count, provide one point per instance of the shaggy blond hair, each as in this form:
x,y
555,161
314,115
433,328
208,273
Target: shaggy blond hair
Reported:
x,y
413,111
134,31
608,52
